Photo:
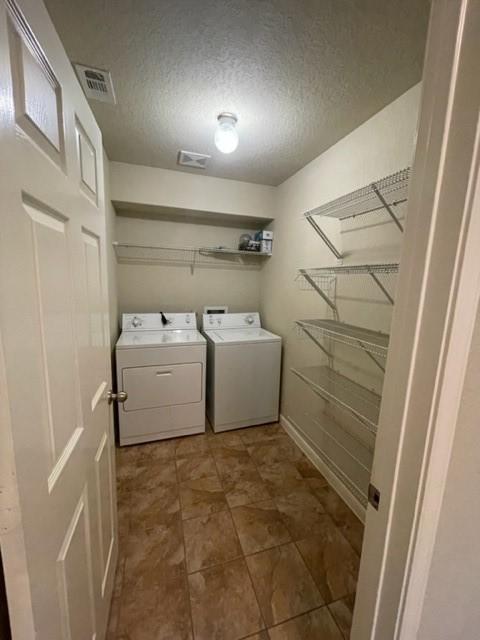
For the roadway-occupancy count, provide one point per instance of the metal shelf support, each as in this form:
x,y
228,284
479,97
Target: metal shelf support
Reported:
x,y
324,237
318,289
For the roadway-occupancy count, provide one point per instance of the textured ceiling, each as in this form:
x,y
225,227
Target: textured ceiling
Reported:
x,y
300,74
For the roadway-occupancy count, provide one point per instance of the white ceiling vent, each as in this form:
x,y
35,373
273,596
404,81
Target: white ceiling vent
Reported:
x,y
193,160
96,83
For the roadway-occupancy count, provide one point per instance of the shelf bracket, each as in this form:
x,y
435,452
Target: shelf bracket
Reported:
x,y
381,287
318,289
371,356
324,237
387,207
316,341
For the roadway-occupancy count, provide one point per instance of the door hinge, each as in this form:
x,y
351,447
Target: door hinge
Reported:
x,y
373,496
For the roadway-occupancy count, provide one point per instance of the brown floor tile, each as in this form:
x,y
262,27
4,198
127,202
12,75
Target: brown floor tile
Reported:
x,y
223,603
263,635
259,526
163,499
244,487
283,585
210,540
231,460
191,444
202,497
308,470
342,515
155,606
228,439
274,450
261,433
282,477
199,465
155,540
154,474
316,625
159,450
342,611
302,513
332,561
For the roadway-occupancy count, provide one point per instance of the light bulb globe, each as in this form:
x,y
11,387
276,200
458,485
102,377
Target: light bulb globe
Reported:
x,y
226,135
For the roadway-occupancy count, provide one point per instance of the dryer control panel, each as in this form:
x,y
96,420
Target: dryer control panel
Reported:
x,y
232,321
158,321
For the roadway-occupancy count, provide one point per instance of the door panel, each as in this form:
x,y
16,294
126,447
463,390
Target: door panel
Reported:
x,y
55,313
75,583
54,331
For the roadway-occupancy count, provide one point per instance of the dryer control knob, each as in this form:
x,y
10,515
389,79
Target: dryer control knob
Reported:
x,y
136,322
187,319
249,319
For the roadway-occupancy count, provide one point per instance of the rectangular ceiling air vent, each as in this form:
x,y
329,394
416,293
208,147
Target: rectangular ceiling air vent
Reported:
x,y
96,83
193,160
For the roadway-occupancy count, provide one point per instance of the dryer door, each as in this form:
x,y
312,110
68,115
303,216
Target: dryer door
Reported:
x,y
163,385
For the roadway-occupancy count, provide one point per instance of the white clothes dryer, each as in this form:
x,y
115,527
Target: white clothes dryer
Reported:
x,y
161,360
243,371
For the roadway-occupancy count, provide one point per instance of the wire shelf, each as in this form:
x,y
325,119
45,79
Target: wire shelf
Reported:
x,y
374,342
345,393
393,190
316,276
352,269
233,252
222,257
384,195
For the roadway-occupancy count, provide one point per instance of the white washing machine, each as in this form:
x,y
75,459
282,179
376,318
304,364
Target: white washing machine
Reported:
x,y
161,361
243,371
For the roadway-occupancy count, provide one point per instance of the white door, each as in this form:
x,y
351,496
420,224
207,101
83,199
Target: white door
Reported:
x,y
54,338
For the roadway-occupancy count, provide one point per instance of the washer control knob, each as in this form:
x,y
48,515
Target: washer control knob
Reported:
x,y
187,319
136,322
249,319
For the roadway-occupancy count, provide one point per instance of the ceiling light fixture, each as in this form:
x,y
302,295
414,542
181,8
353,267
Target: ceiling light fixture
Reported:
x,y
226,135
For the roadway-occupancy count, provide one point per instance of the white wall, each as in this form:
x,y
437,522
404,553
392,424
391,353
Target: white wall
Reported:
x,y
176,190
155,287
382,145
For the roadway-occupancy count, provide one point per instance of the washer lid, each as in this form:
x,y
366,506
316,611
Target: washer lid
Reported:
x,y
172,338
241,336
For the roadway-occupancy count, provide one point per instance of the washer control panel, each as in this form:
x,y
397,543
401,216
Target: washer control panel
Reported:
x,y
232,321
158,321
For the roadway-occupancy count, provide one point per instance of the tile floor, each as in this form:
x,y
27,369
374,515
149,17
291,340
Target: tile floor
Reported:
x,y
231,536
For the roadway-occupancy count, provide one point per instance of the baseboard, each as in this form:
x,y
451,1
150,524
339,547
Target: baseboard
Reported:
x,y
300,439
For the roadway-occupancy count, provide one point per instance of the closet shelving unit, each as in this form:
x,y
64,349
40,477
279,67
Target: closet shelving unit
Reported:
x,y
193,257
348,454
384,195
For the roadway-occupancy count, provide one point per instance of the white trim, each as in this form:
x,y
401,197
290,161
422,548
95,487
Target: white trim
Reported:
x,y
300,439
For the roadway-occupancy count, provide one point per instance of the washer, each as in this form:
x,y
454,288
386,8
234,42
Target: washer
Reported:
x,y
161,360
243,371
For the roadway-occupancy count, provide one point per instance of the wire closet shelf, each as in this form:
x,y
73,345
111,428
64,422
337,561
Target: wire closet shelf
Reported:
x,y
374,342
220,257
316,277
334,387
386,195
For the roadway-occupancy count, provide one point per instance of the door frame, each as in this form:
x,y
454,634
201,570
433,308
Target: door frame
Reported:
x,y
436,307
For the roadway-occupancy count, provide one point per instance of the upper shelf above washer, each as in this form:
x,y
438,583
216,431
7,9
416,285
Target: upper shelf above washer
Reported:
x,y
383,195
219,257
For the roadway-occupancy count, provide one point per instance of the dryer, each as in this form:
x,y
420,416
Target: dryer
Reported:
x,y
161,361
243,371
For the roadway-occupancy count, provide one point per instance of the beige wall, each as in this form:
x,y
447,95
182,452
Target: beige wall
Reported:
x,y
161,287
382,145
177,190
